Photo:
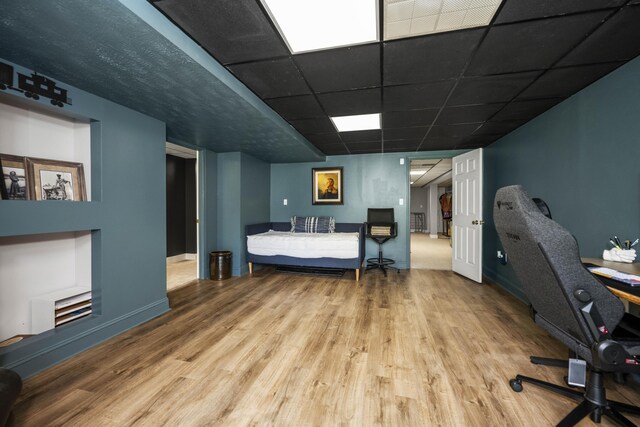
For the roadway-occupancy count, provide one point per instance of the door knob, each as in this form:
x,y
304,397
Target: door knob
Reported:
x,y
477,222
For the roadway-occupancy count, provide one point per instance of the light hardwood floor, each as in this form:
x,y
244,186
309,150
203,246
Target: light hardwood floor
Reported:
x,y
181,273
419,348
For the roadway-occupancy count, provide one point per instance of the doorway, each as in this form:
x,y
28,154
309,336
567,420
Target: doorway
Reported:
x,y
430,242
182,215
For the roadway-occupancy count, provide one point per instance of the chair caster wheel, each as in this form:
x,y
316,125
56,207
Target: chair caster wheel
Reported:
x,y
516,385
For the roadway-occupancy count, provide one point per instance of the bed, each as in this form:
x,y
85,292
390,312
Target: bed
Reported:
x,y
273,243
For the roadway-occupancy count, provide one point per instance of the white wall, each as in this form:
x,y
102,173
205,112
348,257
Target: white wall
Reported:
x,y
37,264
33,134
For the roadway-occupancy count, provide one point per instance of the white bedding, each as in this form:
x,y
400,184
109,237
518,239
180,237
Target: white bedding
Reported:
x,y
304,245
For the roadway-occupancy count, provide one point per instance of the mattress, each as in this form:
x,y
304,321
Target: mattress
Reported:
x,y
304,245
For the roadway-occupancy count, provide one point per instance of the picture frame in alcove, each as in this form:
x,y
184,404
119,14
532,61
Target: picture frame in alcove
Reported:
x,y
14,184
56,180
326,187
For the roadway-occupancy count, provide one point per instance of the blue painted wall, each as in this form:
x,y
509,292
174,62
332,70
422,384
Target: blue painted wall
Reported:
x,y
207,208
370,181
127,216
582,157
243,198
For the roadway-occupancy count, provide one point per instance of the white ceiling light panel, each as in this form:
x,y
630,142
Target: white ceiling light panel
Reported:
x,y
308,25
408,18
360,122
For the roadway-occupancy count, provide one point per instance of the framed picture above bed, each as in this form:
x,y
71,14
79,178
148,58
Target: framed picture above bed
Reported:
x,y
327,186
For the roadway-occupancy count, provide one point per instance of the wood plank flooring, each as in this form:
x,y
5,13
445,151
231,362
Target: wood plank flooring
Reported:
x,y
420,348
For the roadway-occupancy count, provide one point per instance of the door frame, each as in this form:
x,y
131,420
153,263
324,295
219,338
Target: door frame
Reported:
x,y
419,155
200,217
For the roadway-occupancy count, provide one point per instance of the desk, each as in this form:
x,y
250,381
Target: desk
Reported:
x,y
620,266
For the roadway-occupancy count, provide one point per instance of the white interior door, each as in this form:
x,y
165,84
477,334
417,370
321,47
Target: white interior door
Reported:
x,y
467,215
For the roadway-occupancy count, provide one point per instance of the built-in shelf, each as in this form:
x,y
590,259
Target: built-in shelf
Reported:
x,y
46,256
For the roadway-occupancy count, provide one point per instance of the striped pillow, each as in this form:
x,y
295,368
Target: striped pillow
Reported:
x,y
313,224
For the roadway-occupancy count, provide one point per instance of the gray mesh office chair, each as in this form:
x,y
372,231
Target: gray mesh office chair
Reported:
x,y
568,302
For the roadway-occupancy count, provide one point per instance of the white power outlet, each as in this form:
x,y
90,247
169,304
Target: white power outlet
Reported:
x,y
402,161
401,201
284,202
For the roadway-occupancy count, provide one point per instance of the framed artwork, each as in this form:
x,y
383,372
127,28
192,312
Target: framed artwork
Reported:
x,y
327,186
56,180
15,183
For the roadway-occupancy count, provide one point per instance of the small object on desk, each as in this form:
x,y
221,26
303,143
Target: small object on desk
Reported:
x,y
629,279
619,244
627,244
614,244
619,255
635,242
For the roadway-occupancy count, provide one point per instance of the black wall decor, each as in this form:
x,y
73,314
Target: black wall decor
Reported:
x,y
36,85
6,76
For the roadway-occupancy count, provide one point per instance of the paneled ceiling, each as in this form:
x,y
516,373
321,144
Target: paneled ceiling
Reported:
x,y
447,90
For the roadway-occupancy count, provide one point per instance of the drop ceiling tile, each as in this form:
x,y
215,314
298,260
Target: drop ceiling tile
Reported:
x,y
564,82
497,128
468,114
272,78
455,5
393,30
400,146
416,96
428,58
321,139
450,20
519,10
398,11
423,25
490,89
426,7
400,119
525,110
453,131
231,30
348,68
431,144
532,45
311,126
405,133
479,16
362,101
296,107
361,136
618,39
482,140
365,146
334,150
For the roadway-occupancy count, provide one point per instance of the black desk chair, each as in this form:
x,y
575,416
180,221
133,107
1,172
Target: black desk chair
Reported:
x,y
380,227
569,303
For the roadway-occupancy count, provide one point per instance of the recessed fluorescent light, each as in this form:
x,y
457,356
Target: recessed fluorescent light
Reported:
x,y
322,24
417,172
361,122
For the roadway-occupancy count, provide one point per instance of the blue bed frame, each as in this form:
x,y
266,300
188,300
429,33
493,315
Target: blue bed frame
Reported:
x,y
351,263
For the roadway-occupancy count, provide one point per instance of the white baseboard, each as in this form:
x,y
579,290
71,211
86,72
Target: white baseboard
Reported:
x,y
181,257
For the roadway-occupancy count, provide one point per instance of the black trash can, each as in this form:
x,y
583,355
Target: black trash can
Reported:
x,y
219,265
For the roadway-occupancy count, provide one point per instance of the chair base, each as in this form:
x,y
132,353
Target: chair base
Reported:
x,y
593,401
382,263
